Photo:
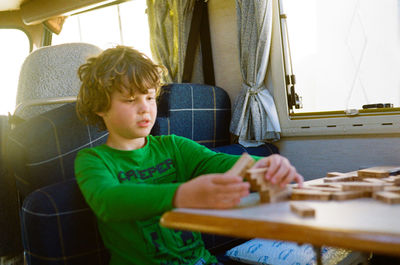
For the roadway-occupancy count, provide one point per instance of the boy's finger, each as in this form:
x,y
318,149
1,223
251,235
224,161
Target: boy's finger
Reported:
x,y
233,188
280,175
288,178
224,179
299,179
262,163
273,166
292,176
227,196
226,204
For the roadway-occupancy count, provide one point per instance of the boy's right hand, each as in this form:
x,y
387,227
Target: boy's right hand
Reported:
x,y
213,191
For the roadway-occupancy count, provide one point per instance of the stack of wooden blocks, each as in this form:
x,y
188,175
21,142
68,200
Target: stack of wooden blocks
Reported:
x,y
256,177
380,183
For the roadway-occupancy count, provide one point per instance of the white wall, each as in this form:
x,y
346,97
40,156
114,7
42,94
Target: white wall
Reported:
x,y
225,46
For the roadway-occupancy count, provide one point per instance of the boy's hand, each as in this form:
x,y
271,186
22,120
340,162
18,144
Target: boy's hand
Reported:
x,y
280,171
218,191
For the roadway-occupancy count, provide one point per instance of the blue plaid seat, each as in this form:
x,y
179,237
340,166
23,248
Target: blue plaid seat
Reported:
x,y
57,225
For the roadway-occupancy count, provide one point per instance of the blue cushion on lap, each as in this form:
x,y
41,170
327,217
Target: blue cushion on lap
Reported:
x,y
262,251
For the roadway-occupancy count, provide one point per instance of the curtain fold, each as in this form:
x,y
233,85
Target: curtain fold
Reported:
x,y
169,22
254,119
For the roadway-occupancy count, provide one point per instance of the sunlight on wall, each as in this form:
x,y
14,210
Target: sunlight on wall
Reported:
x,y
14,47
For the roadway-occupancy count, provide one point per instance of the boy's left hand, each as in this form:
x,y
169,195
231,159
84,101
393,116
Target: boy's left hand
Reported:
x,y
280,171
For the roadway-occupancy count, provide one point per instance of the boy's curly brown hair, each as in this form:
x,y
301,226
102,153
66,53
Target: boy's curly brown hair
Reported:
x,y
120,68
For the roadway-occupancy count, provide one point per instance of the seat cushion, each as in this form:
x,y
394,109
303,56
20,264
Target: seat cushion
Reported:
x,y
58,225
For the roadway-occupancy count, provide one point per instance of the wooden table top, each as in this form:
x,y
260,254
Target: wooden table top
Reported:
x,y
361,224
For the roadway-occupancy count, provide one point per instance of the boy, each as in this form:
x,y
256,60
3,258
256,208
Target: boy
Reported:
x,y
134,178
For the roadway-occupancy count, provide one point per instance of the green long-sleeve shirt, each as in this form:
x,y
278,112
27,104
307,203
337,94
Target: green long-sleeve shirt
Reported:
x,y
129,191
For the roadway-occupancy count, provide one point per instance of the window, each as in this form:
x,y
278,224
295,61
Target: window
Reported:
x,y
125,24
14,47
345,53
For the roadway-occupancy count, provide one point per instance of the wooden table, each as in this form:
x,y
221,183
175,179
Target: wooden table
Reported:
x,y
362,224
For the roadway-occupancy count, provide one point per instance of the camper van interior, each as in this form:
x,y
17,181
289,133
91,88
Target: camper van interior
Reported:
x,y
316,81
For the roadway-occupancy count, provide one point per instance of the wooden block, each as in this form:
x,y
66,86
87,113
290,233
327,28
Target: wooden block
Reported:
x,y
273,193
322,185
303,194
335,185
341,179
256,178
378,172
260,187
395,189
264,196
256,175
253,183
394,180
256,172
302,209
333,174
268,192
362,186
337,174
348,195
322,188
280,194
244,163
387,197
375,180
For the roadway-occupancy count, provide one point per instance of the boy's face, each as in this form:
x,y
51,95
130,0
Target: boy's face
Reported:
x,y
130,117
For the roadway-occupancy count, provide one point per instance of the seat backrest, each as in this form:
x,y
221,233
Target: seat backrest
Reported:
x,y
50,72
42,150
196,111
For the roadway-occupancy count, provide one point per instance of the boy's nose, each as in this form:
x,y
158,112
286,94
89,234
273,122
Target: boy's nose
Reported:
x,y
144,106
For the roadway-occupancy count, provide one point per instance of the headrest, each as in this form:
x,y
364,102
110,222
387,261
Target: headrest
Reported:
x,y
51,71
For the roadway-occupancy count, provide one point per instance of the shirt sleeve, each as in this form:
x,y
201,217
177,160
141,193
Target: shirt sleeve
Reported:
x,y
112,201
